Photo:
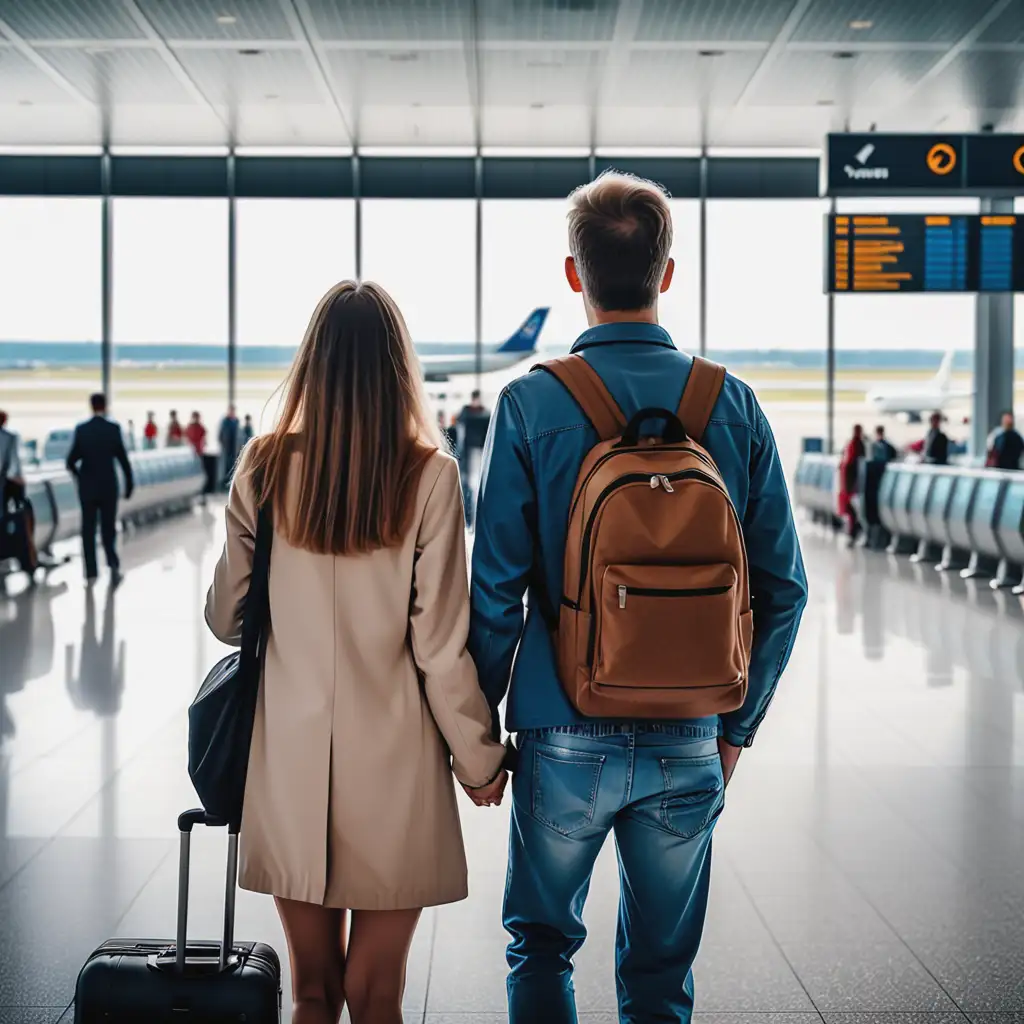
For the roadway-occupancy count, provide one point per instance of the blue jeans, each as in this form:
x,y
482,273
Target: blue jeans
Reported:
x,y
660,789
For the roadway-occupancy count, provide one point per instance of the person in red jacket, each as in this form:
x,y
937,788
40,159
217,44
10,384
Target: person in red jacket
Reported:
x,y
848,469
196,433
150,432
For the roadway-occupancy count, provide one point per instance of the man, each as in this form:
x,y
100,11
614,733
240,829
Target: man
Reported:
x,y
936,443
97,446
471,432
580,779
10,459
175,434
248,431
228,438
1005,446
195,433
881,449
149,432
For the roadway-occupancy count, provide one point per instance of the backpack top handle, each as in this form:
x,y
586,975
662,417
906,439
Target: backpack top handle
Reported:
x,y
581,380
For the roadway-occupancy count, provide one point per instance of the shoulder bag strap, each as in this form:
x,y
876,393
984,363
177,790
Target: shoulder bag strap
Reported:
x,y
581,380
699,396
256,612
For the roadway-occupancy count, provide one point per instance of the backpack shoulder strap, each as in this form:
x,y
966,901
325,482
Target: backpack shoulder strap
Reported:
x,y
581,380
699,396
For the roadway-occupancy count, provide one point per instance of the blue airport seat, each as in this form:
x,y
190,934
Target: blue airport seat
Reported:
x,y
1010,525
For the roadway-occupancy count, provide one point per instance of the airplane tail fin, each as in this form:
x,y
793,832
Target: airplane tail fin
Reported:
x,y
943,377
525,339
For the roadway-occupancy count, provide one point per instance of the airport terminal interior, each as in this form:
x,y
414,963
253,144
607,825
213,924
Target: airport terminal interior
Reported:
x,y
180,182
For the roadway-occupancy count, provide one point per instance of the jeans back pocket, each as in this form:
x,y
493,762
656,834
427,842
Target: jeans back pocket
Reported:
x,y
565,786
694,794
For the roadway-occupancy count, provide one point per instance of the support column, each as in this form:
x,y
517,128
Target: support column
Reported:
x,y
830,364
479,296
232,284
106,276
703,258
993,352
357,197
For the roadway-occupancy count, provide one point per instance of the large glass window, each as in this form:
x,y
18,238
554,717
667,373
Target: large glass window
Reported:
x,y
289,252
50,312
423,251
892,350
170,325
767,311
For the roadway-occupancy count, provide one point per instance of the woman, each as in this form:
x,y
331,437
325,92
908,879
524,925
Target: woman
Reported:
x,y
349,802
849,469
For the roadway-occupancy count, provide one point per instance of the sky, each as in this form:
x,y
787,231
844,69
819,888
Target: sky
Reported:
x,y
764,277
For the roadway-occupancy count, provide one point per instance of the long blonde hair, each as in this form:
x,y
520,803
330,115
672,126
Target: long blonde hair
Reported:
x,y
355,409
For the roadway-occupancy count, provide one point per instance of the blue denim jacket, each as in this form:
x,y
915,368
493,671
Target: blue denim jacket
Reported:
x,y
537,442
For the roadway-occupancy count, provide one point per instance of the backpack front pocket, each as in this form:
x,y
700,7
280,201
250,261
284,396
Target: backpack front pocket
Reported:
x,y
668,627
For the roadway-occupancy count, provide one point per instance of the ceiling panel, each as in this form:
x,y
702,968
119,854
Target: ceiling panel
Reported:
x,y
425,125
977,80
803,78
282,124
132,77
525,127
754,20
411,20
577,20
23,84
654,126
197,19
229,77
891,21
684,79
69,19
1008,27
418,79
534,77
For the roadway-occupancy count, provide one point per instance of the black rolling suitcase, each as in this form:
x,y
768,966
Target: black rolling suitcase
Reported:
x,y
154,981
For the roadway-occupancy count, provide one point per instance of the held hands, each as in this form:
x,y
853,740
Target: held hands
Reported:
x,y
491,794
729,756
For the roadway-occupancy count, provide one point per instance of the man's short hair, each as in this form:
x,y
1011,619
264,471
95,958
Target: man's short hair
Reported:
x,y
620,235
98,402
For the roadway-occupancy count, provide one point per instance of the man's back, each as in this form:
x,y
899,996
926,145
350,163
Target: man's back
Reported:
x,y
936,447
10,460
1009,448
539,440
97,446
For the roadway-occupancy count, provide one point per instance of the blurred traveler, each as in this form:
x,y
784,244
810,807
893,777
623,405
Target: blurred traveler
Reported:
x,y
471,436
17,517
881,449
658,787
150,432
97,446
936,443
195,432
175,435
10,457
227,436
129,436
248,431
367,511
1005,445
849,471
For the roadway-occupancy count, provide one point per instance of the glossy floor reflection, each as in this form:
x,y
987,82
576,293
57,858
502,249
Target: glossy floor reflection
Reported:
x,y
869,866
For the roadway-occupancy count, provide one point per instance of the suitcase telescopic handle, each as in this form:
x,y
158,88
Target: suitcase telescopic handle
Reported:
x,y
186,821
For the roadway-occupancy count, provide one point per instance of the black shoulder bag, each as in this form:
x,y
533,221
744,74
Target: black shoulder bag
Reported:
x,y
220,719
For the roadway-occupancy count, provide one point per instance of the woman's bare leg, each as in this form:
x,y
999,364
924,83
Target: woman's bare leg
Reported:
x,y
316,946
378,951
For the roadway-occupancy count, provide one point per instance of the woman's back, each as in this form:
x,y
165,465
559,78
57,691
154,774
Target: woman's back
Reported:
x,y
369,696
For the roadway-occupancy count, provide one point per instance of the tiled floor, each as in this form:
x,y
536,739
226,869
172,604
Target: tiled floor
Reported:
x,y
869,867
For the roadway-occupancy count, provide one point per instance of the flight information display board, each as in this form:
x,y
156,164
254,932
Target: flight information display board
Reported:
x,y
925,253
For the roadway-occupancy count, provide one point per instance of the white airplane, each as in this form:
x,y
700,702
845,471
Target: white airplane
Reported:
x,y
443,359
916,400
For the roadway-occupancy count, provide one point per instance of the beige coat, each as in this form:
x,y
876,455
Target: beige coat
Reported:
x,y
367,687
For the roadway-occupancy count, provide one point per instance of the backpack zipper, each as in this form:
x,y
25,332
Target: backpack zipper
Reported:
x,y
624,591
624,481
706,459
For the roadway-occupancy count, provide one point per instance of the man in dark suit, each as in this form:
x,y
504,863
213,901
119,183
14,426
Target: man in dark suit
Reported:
x,y
98,444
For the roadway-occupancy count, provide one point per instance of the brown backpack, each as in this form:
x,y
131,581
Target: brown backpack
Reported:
x,y
655,615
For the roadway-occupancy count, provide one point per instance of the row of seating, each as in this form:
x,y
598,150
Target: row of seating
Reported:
x,y
166,480
971,520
